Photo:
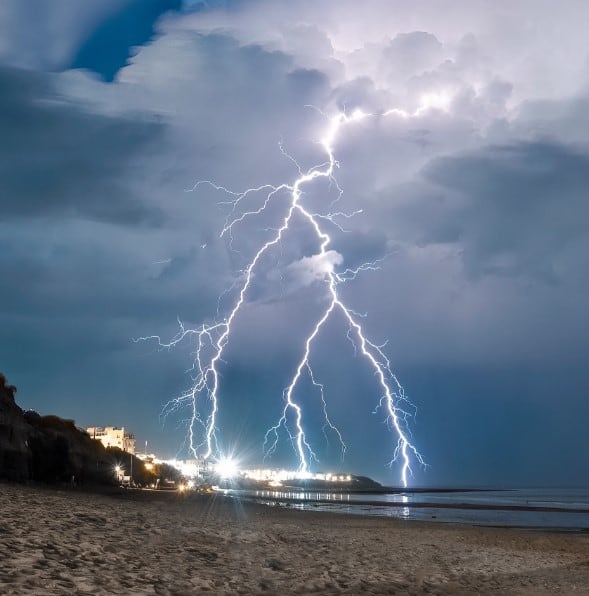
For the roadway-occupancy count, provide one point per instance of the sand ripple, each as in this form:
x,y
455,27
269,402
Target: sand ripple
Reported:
x,y
70,542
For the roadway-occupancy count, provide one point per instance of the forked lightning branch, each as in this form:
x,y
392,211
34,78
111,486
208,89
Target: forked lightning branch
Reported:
x,y
211,340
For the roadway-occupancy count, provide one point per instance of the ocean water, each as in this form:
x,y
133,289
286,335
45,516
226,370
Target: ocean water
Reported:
x,y
558,509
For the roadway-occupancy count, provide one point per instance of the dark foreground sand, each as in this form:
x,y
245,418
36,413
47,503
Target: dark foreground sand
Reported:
x,y
128,542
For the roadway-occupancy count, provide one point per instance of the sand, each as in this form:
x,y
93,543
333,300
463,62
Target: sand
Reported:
x,y
137,542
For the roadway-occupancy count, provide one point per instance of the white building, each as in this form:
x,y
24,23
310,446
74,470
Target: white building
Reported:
x,y
113,436
190,468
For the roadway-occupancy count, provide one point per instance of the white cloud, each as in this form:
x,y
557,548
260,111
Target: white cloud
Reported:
x,y
227,103
314,268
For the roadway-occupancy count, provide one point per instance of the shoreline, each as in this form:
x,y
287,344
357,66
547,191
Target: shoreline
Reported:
x,y
121,541
433,505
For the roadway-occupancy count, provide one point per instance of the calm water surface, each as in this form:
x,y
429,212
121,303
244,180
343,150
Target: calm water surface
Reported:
x,y
448,507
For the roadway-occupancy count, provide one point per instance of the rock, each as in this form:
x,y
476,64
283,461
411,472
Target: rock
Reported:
x,y
15,452
47,448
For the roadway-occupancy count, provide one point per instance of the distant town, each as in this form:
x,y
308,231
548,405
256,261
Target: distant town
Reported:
x,y
225,472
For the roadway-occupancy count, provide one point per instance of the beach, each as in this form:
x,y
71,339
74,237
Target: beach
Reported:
x,y
70,541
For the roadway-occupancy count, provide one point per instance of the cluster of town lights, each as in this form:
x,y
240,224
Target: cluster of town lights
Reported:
x,y
283,475
228,468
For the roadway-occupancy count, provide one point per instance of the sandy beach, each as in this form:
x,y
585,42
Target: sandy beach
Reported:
x,y
132,542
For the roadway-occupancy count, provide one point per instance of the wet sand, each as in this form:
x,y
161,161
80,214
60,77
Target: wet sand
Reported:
x,y
136,542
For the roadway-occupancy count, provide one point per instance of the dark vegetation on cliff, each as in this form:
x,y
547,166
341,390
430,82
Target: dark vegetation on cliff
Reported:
x,y
53,450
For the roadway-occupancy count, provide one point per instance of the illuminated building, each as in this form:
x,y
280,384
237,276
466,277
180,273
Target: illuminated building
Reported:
x,y
113,436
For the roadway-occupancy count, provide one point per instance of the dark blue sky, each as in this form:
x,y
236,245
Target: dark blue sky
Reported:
x,y
473,198
106,50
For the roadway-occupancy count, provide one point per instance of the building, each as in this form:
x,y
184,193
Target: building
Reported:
x,y
113,436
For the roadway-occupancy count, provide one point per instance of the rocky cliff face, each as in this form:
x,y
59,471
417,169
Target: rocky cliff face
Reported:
x,y
15,432
52,449
47,448
60,452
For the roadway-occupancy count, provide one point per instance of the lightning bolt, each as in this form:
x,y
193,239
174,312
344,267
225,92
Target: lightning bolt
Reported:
x,y
212,338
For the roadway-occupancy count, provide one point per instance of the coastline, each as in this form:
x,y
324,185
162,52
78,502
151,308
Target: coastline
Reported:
x,y
439,505
56,541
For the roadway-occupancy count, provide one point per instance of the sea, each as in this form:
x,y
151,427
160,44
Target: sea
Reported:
x,y
564,510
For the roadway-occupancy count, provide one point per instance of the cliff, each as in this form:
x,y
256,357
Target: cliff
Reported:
x,y
48,448
15,432
53,450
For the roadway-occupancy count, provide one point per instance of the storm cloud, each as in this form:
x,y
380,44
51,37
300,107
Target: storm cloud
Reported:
x,y
468,181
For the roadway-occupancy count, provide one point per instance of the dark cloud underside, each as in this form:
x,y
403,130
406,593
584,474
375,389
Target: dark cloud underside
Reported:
x,y
59,160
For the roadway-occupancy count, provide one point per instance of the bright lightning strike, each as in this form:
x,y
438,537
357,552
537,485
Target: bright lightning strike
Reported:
x,y
212,339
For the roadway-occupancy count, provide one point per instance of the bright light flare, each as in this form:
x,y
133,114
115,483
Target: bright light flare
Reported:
x,y
227,468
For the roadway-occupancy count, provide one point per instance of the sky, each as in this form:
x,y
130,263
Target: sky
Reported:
x,y
471,197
